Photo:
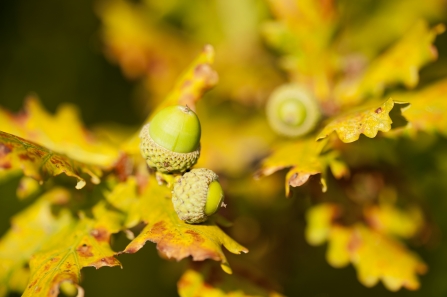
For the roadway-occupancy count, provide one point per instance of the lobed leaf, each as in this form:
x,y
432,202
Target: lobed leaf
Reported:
x,y
41,163
174,238
395,265
375,255
30,229
305,159
399,64
365,120
84,242
388,219
207,282
63,133
428,109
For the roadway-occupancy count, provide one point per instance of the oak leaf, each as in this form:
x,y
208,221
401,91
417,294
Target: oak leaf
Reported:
x,y
41,163
388,219
30,229
63,133
84,242
175,239
375,255
428,109
367,120
399,64
304,159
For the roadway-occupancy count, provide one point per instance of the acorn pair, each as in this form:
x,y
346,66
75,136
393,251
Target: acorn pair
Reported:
x,y
170,143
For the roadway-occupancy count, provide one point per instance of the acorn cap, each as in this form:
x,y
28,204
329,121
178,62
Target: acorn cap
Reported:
x,y
162,159
197,195
292,111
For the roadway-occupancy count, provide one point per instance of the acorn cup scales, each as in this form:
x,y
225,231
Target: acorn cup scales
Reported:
x,y
197,195
170,143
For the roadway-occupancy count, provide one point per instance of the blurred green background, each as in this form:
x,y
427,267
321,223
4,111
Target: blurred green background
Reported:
x,y
53,48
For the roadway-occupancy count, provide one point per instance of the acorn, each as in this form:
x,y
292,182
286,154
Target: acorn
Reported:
x,y
292,111
170,143
197,195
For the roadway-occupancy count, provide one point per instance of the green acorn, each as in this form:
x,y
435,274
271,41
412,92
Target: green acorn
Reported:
x,y
291,111
197,195
170,143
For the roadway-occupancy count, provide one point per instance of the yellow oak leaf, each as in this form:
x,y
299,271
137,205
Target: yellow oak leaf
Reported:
x,y
30,229
304,159
375,254
319,221
41,163
428,109
63,133
388,219
84,242
367,120
399,64
378,257
339,239
124,196
212,283
175,239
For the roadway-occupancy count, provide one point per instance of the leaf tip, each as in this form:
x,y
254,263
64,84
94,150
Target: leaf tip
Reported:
x,y
225,267
81,183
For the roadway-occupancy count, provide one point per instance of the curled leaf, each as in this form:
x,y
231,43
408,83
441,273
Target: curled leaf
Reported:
x,y
41,163
364,120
